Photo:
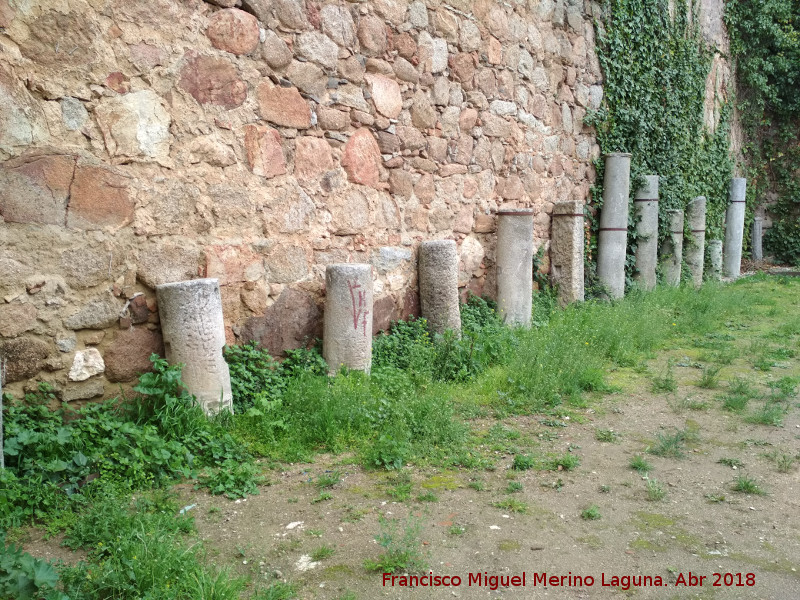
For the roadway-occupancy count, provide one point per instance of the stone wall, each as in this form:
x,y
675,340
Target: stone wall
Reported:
x,y
148,142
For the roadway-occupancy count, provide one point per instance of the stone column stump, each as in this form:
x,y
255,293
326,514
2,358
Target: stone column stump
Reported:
x,y
694,250
347,330
672,249
438,285
734,229
194,334
566,251
515,265
645,207
613,235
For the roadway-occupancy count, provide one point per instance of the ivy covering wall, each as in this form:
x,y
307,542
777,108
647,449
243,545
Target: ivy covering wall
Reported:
x,y
655,66
765,41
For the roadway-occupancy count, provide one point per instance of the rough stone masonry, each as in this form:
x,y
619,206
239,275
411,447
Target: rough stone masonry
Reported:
x,y
256,142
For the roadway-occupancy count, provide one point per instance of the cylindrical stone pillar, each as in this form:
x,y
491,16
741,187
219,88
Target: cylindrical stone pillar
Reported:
x,y
347,333
612,239
645,207
715,259
758,238
438,285
566,251
734,229
515,265
694,250
672,249
194,334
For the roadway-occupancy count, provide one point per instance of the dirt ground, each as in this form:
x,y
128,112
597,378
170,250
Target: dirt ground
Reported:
x,y
701,527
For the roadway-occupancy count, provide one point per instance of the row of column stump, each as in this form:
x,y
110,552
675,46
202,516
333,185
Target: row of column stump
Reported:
x,y
673,251
191,311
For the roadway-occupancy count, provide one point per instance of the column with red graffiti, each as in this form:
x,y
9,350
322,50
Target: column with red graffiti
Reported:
x,y
347,338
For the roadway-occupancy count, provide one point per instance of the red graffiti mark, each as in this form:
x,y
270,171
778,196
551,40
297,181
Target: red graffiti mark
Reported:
x,y
358,301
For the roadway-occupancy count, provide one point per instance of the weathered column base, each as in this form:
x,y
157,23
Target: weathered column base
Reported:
x,y
645,206
694,248
734,229
438,286
515,265
566,251
191,319
347,337
612,239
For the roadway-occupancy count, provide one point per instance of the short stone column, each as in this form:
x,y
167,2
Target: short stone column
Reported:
x,y
715,259
694,249
734,229
645,208
438,285
515,265
347,332
613,235
672,249
194,334
758,238
566,251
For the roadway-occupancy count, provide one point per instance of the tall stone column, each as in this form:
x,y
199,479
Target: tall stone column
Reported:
x,y
672,249
347,332
734,229
645,207
613,236
515,265
194,334
758,238
438,285
715,259
566,251
694,250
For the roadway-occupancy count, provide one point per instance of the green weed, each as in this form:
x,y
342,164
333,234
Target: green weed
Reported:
x,y
402,543
591,513
523,462
665,382
512,505
322,553
769,414
513,487
655,490
710,377
606,435
670,445
328,480
639,464
733,463
747,485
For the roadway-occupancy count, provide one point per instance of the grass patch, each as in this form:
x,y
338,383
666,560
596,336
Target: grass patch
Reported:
x,y
328,480
513,487
322,553
606,435
769,414
592,513
512,505
655,490
427,497
733,463
523,462
709,379
671,445
747,485
402,545
640,464
665,382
